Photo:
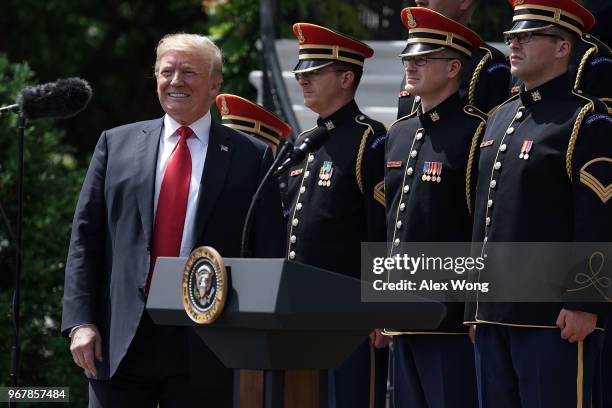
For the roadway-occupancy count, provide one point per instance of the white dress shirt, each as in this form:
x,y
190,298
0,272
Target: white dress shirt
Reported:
x,y
198,145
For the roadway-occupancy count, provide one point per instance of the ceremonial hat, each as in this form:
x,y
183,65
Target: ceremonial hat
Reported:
x,y
320,46
430,31
534,15
241,114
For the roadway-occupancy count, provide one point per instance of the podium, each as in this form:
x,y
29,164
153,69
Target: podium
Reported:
x,y
281,315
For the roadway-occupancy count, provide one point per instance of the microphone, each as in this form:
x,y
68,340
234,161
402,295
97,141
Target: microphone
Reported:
x,y
311,143
61,99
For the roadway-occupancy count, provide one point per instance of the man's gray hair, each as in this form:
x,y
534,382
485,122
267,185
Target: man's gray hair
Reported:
x,y
193,43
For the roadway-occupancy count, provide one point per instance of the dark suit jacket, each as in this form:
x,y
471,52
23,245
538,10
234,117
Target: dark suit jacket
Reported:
x,y
109,254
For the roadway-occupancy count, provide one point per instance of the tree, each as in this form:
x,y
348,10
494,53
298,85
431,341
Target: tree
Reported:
x,y
52,182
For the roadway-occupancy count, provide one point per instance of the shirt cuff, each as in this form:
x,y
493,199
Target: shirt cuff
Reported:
x,y
78,327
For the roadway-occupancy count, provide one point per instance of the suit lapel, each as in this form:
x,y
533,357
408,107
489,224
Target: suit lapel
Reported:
x,y
216,166
145,161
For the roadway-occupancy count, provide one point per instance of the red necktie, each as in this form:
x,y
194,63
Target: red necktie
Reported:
x,y
172,202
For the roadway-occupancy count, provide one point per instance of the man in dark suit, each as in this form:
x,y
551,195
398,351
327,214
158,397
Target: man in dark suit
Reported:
x,y
161,188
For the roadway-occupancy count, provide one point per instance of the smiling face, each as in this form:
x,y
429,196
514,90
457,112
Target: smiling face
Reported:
x,y
186,87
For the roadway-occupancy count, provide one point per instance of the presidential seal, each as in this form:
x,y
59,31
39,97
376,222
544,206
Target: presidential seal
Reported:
x,y
205,285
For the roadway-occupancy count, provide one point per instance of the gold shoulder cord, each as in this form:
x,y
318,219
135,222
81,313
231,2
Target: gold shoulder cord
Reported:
x,y
474,80
572,142
583,62
470,163
360,153
473,146
593,50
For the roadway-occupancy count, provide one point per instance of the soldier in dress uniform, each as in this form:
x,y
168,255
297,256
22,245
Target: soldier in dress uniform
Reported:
x,y
485,76
590,67
337,193
545,170
246,116
430,176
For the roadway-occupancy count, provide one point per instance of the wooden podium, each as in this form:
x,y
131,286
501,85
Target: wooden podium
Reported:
x,y
279,316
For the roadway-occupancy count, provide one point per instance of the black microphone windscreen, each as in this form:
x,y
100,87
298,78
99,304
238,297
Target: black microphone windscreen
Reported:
x,y
61,99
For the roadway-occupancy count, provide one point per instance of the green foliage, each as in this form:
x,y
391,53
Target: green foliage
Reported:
x,y
339,15
52,182
111,44
234,26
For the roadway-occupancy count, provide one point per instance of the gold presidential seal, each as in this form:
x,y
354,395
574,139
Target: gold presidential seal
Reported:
x,y
205,285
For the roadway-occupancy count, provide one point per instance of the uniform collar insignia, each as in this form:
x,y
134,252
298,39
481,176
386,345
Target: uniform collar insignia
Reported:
x,y
552,90
345,113
442,112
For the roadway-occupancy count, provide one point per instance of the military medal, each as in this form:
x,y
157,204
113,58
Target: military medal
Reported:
x,y
437,172
432,171
426,176
325,174
525,149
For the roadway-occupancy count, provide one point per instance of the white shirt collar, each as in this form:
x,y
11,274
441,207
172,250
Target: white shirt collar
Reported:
x,y
200,128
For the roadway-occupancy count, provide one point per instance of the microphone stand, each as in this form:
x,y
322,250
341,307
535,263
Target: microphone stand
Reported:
x,y
16,347
245,247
